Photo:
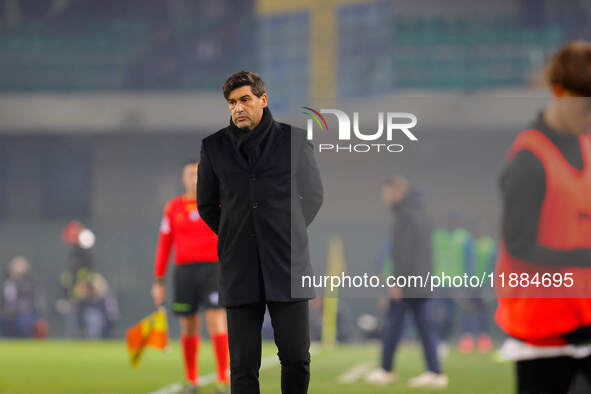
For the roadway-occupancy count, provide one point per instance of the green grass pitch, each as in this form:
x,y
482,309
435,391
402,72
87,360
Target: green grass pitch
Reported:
x,y
52,367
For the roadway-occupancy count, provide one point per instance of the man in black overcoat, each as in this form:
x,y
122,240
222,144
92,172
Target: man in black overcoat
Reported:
x,y
258,189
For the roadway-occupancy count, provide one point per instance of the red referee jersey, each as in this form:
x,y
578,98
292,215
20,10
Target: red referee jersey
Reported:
x,y
182,227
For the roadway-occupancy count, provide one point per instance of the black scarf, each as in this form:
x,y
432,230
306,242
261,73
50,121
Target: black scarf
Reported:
x,y
251,143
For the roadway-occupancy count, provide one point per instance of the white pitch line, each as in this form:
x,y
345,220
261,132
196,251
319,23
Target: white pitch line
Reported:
x,y
355,373
266,362
173,388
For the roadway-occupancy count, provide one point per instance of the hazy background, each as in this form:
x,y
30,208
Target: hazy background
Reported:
x,y
102,101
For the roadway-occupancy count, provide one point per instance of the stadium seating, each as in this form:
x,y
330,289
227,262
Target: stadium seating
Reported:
x,y
377,52
461,54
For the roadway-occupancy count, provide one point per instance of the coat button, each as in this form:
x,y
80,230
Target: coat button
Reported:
x,y
255,205
253,178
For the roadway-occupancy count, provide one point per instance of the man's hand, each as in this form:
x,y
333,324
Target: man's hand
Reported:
x,y
158,293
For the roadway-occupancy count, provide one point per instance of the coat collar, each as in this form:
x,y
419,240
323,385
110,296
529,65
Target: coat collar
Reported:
x,y
273,134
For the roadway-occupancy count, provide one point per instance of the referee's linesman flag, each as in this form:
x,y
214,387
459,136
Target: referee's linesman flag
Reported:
x,y
150,331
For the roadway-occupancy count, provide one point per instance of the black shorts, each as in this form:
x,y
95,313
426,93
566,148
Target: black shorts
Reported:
x,y
195,287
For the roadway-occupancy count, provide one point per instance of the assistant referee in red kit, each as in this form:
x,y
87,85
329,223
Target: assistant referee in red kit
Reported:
x,y
196,275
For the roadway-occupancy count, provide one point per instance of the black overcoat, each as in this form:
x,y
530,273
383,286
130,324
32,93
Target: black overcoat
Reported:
x,y
260,213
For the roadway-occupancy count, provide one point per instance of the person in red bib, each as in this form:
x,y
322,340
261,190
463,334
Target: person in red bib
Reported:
x,y
546,231
195,279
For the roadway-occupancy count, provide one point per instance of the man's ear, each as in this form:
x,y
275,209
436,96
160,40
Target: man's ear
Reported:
x,y
558,90
265,99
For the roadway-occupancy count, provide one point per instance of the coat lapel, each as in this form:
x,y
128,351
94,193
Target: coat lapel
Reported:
x,y
275,136
237,155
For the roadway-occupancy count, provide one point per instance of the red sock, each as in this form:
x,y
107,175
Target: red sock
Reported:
x,y
190,347
220,346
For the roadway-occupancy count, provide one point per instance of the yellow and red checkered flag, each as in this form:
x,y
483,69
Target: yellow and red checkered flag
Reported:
x,y
150,331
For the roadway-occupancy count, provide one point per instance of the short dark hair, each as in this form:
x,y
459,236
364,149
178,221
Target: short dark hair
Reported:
x,y
395,181
570,68
190,161
386,183
244,78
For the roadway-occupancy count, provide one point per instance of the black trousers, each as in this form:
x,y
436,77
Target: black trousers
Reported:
x,y
291,329
555,375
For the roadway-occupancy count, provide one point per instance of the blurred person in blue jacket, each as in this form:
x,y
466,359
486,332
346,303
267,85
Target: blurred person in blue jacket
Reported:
x,y
22,302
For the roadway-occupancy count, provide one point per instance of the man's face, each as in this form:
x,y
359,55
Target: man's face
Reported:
x,y
18,267
388,195
393,194
576,114
245,108
190,178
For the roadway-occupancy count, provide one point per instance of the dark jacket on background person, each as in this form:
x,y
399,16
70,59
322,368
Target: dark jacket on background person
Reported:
x,y
21,305
411,242
259,190
21,296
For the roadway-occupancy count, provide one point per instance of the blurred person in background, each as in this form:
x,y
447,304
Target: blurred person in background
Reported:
x,y
22,302
411,254
546,228
97,308
88,304
79,266
196,276
476,316
452,255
